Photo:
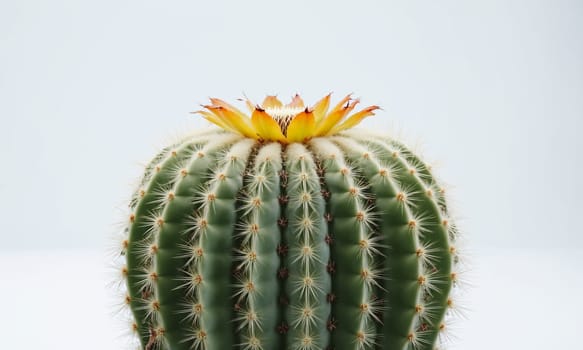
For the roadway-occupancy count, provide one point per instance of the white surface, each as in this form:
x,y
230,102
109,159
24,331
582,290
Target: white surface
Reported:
x,y
519,301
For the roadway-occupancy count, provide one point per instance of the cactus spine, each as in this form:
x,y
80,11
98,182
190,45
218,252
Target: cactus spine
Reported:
x,y
339,242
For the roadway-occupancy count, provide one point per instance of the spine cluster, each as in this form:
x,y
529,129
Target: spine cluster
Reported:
x,y
308,282
255,255
356,275
341,243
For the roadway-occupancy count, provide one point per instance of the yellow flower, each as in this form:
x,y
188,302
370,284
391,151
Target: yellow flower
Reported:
x,y
293,122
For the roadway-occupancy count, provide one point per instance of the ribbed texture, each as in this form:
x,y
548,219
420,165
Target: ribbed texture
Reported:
x,y
340,243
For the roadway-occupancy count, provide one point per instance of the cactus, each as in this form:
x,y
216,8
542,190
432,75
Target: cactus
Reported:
x,y
288,230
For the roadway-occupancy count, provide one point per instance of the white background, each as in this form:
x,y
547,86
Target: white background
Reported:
x,y
490,91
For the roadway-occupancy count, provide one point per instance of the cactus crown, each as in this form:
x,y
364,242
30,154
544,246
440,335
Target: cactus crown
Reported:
x,y
293,122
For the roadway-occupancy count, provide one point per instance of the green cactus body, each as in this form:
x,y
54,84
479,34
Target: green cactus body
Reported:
x,y
340,242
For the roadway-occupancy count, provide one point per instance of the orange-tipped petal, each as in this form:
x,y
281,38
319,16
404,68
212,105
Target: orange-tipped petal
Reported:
x,y
335,117
266,127
236,121
301,127
271,102
248,103
217,112
215,120
221,103
354,119
342,104
321,107
296,102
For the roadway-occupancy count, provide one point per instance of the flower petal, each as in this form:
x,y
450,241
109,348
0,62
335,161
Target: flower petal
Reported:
x,y
250,105
236,121
271,101
321,107
221,103
265,126
335,117
301,127
354,119
296,102
343,103
214,119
